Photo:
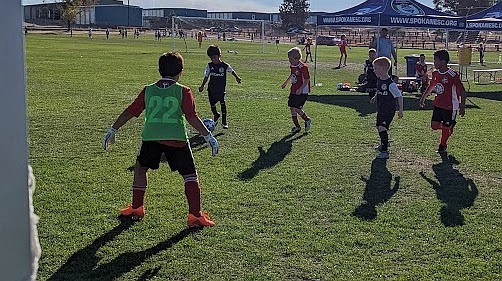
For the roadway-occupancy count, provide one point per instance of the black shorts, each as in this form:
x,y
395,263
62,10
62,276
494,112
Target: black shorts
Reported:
x,y
179,158
384,120
445,116
297,101
215,97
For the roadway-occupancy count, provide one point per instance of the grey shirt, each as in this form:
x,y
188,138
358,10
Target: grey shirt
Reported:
x,y
385,47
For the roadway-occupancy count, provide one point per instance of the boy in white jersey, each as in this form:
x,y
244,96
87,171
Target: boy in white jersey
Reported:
x,y
167,104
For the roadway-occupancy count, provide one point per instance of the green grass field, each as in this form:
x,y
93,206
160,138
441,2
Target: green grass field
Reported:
x,y
308,207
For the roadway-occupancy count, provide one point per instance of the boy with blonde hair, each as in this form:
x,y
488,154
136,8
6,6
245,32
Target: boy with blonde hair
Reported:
x,y
386,95
300,88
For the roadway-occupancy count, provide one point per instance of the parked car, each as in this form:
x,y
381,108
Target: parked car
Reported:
x,y
214,29
297,30
327,40
232,29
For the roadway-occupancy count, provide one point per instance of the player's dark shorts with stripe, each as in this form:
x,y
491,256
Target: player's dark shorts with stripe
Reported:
x,y
297,101
445,116
215,97
179,158
384,120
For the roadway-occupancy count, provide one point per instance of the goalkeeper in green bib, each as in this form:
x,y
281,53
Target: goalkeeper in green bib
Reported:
x,y
167,105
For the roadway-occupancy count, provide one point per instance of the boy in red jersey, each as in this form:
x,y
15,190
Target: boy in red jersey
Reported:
x,y
308,53
300,88
166,104
343,50
421,72
199,38
450,98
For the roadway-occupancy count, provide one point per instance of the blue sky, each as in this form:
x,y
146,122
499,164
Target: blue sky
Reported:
x,y
239,5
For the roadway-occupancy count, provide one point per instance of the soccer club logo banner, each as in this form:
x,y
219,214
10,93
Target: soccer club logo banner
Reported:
x,y
365,14
409,13
402,13
405,7
489,19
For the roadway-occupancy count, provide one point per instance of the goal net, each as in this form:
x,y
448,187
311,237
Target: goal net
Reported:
x,y
218,30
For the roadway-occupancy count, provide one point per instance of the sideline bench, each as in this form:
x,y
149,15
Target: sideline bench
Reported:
x,y
491,72
406,83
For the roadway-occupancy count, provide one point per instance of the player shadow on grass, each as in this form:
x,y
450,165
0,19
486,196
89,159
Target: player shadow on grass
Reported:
x,y
453,189
85,264
361,102
378,190
197,142
496,95
273,156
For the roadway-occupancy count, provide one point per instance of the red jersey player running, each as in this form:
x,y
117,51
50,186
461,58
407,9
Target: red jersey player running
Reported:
x,y
450,98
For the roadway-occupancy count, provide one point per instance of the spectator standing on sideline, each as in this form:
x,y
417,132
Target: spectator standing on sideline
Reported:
x,y
199,38
481,50
308,43
384,47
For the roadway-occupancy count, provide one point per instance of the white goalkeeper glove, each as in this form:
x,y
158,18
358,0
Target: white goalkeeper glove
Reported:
x,y
108,138
211,140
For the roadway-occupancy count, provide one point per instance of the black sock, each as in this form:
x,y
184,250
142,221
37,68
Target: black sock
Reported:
x,y
384,139
223,113
215,113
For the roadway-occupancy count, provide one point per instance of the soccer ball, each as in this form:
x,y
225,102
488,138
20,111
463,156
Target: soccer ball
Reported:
x,y
339,86
210,124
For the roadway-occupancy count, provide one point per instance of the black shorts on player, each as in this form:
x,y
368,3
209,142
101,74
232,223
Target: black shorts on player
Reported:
x,y
297,101
179,158
384,120
215,97
444,116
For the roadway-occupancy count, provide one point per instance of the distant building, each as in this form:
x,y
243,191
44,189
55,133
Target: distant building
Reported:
x,y
161,17
270,17
106,13
42,12
111,16
112,13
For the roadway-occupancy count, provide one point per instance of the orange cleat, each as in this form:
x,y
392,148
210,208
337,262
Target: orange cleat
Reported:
x,y
203,220
135,214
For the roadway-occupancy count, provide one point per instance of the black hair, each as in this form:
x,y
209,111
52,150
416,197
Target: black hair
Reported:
x,y
442,55
170,64
213,50
422,55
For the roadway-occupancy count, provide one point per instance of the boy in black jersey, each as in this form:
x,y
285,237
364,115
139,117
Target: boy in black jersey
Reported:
x,y
371,79
216,72
386,95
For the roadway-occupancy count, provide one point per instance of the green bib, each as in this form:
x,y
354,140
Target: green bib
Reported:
x,y
164,119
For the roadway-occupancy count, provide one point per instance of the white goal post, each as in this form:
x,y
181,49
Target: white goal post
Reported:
x,y
15,255
177,22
